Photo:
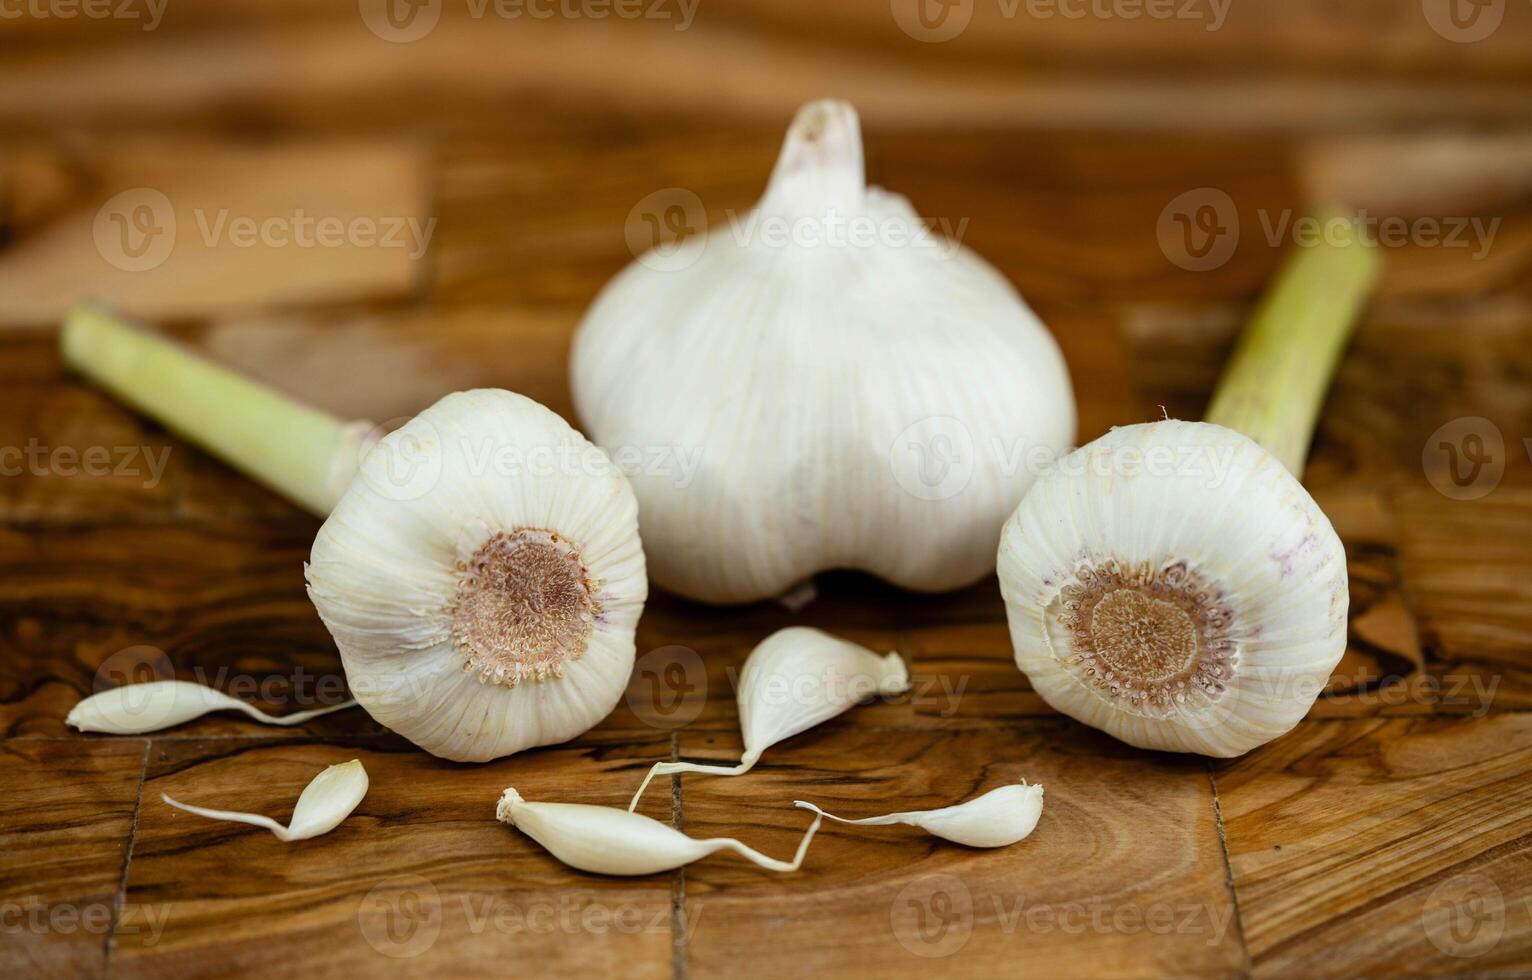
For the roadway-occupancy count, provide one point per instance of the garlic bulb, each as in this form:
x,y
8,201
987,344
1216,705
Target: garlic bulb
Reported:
x,y
609,841
858,393
134,709
480,567
322,805
1172,583
795,679
495,612
997,818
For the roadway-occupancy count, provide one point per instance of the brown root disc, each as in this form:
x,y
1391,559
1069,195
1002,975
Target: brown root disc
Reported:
x,y
523,608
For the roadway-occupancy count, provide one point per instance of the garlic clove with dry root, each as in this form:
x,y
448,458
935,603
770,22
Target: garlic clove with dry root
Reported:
x,y
137,708
495,611
480,567
854,391
795,679
607,840
1172,583
997,818
327,800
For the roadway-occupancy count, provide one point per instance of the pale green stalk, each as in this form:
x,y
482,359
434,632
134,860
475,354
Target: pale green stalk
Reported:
x,y
1275,382
306,455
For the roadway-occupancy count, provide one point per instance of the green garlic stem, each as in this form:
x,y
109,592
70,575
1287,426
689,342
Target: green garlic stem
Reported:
x,y
306,455
1275,382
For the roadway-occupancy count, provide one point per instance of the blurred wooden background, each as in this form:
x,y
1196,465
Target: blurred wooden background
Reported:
x,y
516,154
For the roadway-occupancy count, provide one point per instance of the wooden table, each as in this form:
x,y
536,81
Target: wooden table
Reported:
x,y
1391,832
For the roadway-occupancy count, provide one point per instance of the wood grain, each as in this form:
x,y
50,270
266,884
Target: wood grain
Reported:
x,y
1389,846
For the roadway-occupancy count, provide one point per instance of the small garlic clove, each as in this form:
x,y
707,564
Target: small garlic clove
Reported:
x,y
607,840
795,679
138,708
1000,817
327,800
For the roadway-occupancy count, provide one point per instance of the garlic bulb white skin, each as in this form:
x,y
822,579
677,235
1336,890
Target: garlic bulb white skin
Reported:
x,y
795,679
609,841
856,393
1172,583
1000,817
138,708
322,805
480,569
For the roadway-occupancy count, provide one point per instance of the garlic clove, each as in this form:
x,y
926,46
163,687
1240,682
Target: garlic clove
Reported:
x,y
795,679
134,709
492,607
1197,608
997,818
833,386
327,800
607,840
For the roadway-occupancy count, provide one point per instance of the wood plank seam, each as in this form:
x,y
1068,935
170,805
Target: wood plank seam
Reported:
x,y
1228,869
109,941
678,923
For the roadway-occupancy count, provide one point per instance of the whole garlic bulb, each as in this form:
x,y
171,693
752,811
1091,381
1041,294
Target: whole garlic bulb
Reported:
x,y
854,392
482,577
1198,607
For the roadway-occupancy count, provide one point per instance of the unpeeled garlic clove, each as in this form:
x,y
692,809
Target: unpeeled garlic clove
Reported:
x,y
138,708
1000,817
795,679
327,800
607,840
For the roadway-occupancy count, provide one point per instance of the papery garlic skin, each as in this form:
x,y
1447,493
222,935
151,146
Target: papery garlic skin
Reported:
x,y
606,840
866,405
482,578
996,819
796,678
135,709
1175,586
329,798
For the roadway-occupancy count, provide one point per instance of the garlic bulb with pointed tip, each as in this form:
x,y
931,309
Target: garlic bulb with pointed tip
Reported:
x,y
850,391
995,819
